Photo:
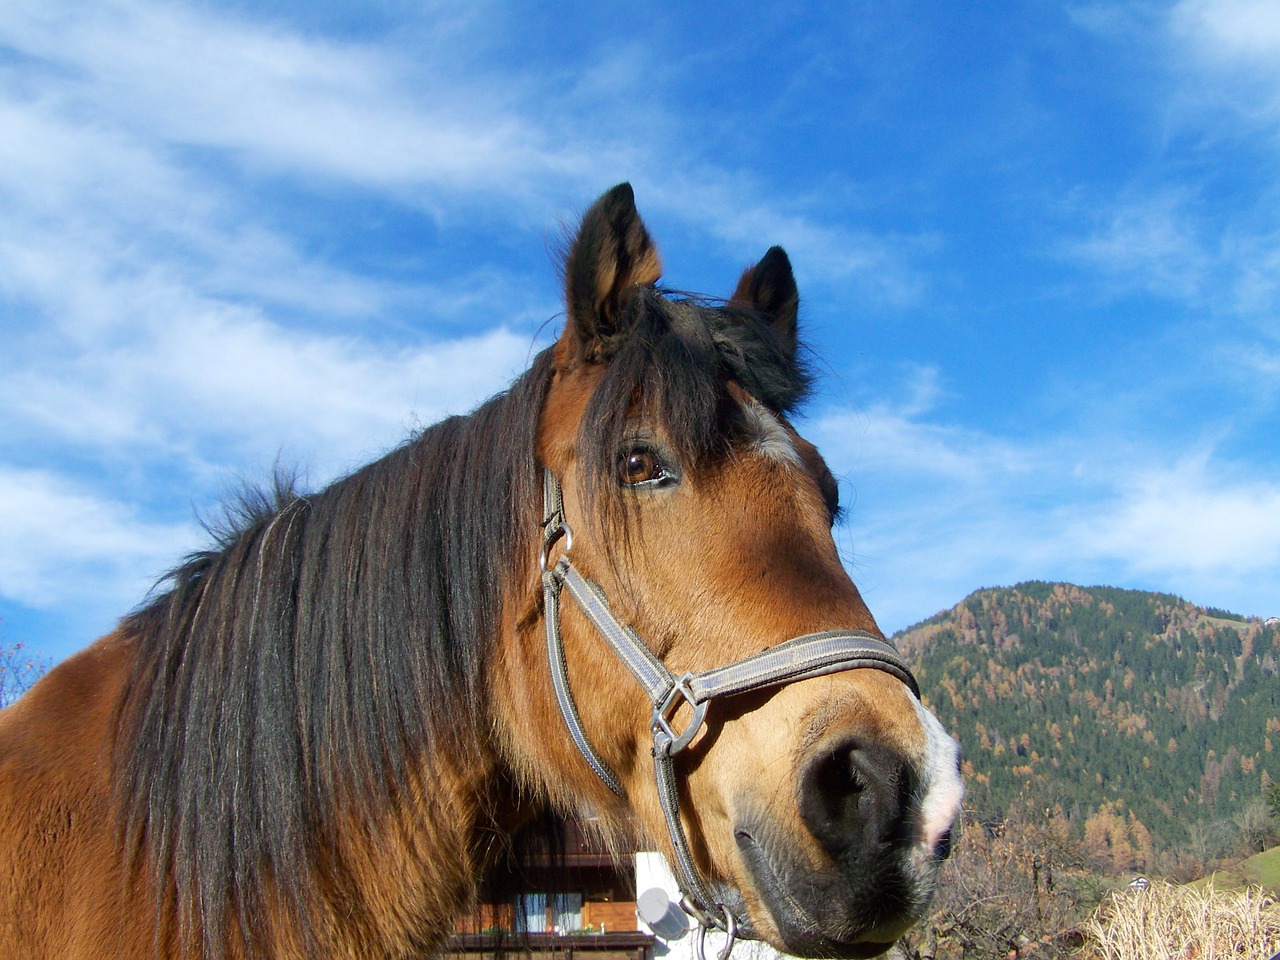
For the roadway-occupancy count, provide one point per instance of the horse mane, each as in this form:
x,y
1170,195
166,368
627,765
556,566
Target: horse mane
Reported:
x,y
308,663
313,656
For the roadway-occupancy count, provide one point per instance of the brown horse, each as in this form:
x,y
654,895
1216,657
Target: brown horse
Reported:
x,y
329,725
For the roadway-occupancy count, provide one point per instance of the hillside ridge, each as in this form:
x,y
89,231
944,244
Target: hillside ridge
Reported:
x,y
1140,716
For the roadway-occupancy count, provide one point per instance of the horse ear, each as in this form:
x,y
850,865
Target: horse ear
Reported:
x,y
612,252
769,288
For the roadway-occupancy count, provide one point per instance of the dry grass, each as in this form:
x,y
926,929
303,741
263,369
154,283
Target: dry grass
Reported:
x,y
1166,922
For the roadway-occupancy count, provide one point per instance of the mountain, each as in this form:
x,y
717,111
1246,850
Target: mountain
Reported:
x,y
1132,712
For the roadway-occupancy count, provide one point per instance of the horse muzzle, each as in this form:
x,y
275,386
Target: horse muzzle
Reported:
x,y
866,872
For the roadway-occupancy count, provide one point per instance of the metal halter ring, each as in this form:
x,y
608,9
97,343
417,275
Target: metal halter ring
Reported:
x,y
664,712
730,928
560,531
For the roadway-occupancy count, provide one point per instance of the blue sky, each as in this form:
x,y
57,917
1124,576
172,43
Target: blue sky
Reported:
x,y
1038,247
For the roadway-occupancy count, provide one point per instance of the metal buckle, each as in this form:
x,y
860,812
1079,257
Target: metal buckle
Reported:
x,y
665,710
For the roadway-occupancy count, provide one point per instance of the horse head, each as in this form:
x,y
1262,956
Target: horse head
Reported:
x,y
811,809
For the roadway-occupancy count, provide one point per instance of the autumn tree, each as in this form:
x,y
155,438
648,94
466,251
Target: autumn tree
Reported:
x,y
1011,885
1272,797
18,671
1256,825
1115,842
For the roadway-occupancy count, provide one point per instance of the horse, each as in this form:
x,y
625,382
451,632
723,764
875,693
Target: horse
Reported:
x,y
610,591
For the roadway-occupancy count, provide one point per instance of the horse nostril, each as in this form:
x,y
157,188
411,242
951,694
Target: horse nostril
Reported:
x,y
854,798
832,786
942,849
856,782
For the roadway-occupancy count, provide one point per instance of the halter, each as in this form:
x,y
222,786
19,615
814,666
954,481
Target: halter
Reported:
x,y
811,655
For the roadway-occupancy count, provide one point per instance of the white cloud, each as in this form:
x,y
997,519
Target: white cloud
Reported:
x,y
938,510
732,208
200,375
1257,291
1187,519
893,442
1228,62
1195,219
1146,240
65,544
903,438
89,207
1232,30
934,509
292,103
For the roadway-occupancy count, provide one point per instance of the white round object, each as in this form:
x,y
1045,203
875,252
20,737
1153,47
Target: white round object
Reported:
x,y
652,905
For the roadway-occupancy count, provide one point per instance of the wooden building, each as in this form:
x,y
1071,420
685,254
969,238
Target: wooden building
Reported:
x,y
562,895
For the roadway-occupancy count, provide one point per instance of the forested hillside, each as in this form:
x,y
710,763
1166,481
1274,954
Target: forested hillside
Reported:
x,y
1145,722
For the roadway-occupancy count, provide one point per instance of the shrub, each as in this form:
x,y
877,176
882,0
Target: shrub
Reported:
x,y
1167,922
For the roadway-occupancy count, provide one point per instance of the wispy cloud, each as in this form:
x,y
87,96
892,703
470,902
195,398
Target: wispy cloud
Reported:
x,y
147,306
733,209
66,545
228,378
1195,225
1191,517
903,437
1150,242
1235,34
285,102
1196,217
939,508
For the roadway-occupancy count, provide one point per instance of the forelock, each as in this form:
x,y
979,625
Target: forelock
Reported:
x,y
673,369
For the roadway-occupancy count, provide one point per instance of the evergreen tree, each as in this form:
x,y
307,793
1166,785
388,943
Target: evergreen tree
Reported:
x,y
1106,700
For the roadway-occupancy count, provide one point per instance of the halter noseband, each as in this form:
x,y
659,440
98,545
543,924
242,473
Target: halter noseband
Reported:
x,y
799,658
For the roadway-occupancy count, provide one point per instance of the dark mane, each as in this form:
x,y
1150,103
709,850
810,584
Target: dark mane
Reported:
x,y
303,664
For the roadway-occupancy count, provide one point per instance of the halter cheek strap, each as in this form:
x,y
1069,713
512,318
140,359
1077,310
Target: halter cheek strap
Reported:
x,y
800,658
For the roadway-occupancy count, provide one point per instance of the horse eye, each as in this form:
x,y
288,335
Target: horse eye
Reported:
x,y
639,465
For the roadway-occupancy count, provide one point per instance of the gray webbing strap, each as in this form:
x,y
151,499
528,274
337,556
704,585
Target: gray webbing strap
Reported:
x,y
560,683
648,670
812,655
698,901
555,529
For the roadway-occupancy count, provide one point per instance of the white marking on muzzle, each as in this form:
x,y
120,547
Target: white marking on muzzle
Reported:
x,y
943,788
